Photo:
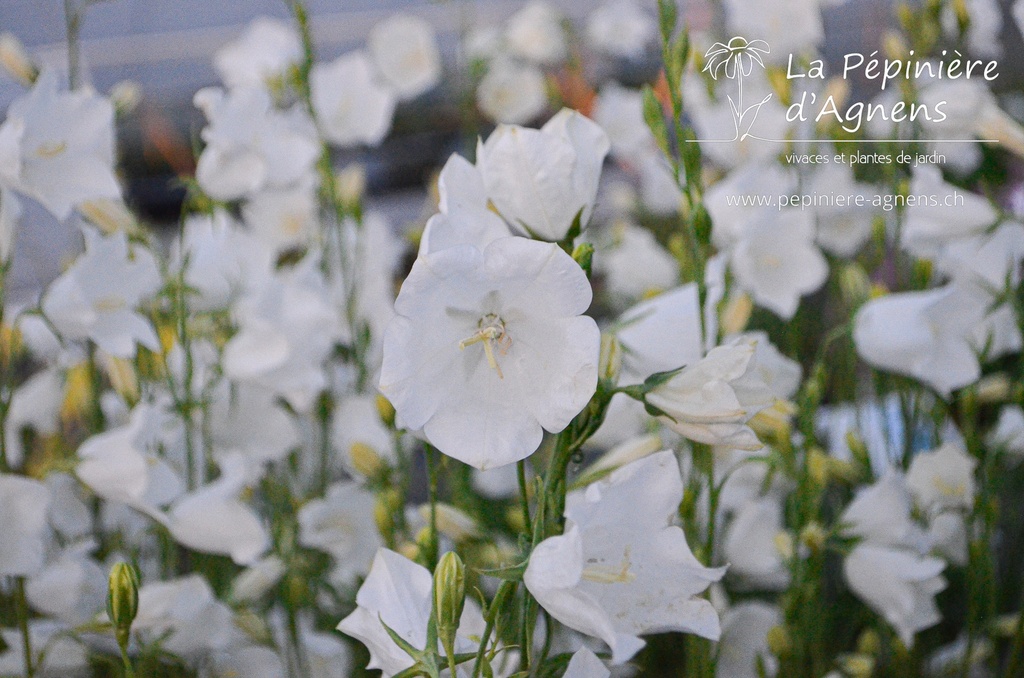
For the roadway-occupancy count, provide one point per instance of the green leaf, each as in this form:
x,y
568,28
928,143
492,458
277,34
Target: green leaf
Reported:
x,y
667,15
510,573
584,256
655,119
402,642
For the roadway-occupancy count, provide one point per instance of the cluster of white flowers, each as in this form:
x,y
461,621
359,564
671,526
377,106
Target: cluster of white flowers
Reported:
x,y
646,422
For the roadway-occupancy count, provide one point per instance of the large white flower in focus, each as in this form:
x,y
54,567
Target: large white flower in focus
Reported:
x,y
622,569
489,347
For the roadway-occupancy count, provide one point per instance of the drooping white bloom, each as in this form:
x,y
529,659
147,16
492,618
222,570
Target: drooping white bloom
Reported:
x,y
58,147
636,264
261,55
397,592
185,615
250,145
622,569
712,400
751,545
943,478
777,262
342,525
352,108
880,514
97,296
898,584
744,641
489,348
287,327
464,217
780,373
926,335
535,33
214,520
585,664
620,28
404,49
512,93
540,180
23,506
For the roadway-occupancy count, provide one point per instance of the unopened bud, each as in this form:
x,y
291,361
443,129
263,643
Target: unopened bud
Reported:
x,y
16,61
854,284
386,411
452,522
110,216
779,641
125,96
610,361
383,516
409,550
365,460
784,544
869,643
122,601
994,388
449,596
813,536
351,184
817,466
857,665
736,313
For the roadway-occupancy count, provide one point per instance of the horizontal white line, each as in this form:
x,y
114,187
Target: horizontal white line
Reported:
x,y
851,141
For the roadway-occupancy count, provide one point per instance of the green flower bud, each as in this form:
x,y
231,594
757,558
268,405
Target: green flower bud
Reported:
x,y
449,596
123,600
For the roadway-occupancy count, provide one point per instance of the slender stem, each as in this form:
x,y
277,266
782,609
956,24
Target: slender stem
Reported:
x,y
73,27
432,472
26,639
524,498
129,672
1015,666
505,591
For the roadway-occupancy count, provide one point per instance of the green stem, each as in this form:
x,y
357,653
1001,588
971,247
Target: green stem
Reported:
x,y
26,640
73,27
432,472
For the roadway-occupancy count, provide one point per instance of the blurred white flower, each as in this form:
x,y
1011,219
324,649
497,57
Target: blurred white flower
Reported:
x,y
943,478
97,296
744,641
35,404
23,508
780,373
712,400
843,229
620,113
248,419
1009,430
971,110
352,107
881,514
63,656
250,145
660,334
622,569
184,615
991,259
789,26
397,592
285,218
213,519
262,54
511,92
58,147
257,579
404,49
535,33
898,584
489,348
636,264
251,661
10,218
72,587
957,213
751,545
342,524
540,180
620,28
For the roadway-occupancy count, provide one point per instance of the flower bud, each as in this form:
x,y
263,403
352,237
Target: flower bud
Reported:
x,y
351,184
583,255
122,600
857,665
383,516
779,641
869,643
610,361
813,536
15,60
386,411
736,313
365,460
854,284
994,388
449,596
110,216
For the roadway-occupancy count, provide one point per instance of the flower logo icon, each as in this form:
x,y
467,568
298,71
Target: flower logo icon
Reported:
x,y
736,59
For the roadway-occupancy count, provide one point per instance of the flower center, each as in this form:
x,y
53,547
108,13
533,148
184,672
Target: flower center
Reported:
x,y
611,574
491,332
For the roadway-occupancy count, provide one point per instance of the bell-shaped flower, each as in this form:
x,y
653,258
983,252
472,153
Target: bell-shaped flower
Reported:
x,y
490,348
780,373
660,334
58,146
283,219
620,113
397,592
72,587
404,49
97,296
352,107
970,107
249,419
712,400
752,545
881,514
1008,433
250,145
261,56
542,180
899,584
744,642
925,335
943,478
23,529
464,217
213,519
342,524
36,405
184,615
622,569
512,93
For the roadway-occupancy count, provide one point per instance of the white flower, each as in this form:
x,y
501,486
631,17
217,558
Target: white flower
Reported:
x,y
880,514
948,534
990,260
535,33
72,587
184,615
404,48
489,348
971,110
540,180
943,478
214,520
261,55
955,214
250,145
23,507
585,664
637,264
56,653
777,262
925,335
512,93
898,584
356,420
1009,430
285,218
35,404
620,28
258,579
622,569
58,146
248,419
751,546
843,229
660,334
342,524
97,296
712,400
287,328
464,218
744,640
397,592
351,107
620,113
781,374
